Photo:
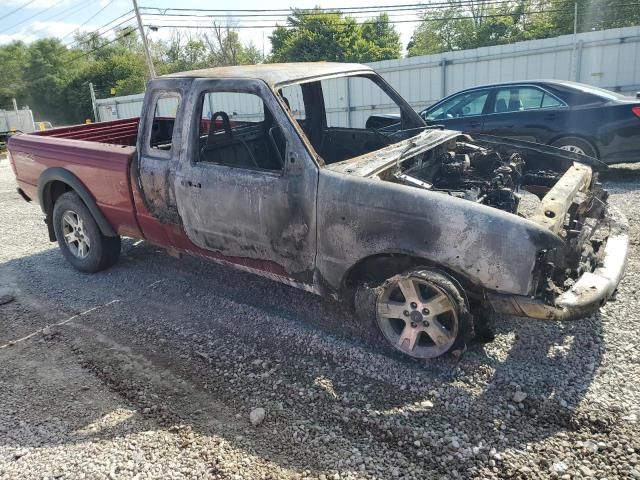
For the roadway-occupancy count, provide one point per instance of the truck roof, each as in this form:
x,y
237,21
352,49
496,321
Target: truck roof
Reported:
x,y
276,73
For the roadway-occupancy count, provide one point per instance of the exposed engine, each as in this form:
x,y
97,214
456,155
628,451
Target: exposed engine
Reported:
x,y
470,171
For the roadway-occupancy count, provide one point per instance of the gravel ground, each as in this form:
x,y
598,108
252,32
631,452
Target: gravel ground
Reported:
x,y
152,368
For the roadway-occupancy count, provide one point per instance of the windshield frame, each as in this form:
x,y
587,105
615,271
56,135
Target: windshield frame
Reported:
x,y
407,113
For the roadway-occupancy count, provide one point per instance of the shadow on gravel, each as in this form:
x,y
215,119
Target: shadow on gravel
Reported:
x,y
241,341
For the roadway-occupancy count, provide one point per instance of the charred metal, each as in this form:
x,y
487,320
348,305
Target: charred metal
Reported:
x,y
409,210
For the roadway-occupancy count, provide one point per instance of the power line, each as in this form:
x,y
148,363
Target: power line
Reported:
x,y
320,11
269,17
17,9
81,5
88,20
100,47
32,16
99,33
302,14
418,20
289,10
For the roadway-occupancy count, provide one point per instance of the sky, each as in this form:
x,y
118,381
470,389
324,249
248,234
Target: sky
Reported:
x,y
60,18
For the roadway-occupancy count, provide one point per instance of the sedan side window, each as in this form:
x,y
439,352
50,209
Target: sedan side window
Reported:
x,y
238,130
515,99
463,105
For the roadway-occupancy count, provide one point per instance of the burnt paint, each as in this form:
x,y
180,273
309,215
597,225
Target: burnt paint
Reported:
x,y
361,217
256,214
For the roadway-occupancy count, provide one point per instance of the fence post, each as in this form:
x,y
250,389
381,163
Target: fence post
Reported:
x,y
578,60
93,102
443,77
348,103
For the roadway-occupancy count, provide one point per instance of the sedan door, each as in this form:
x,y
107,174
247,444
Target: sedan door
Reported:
x,y
462,111
524,112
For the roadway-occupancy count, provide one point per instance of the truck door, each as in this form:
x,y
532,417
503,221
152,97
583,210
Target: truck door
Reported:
x,y
247,187
158,148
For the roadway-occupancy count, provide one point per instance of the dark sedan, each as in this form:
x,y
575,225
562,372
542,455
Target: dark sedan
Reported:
x,y
573,116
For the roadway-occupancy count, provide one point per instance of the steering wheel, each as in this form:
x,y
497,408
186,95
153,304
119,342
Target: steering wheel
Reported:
x,y
226,124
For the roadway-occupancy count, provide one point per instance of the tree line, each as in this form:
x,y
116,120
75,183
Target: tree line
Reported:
x,y
53,78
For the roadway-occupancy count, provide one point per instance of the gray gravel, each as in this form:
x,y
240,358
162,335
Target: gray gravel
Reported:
x,y
153,369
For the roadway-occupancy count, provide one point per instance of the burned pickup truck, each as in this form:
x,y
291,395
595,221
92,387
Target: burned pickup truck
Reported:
x,y
272,169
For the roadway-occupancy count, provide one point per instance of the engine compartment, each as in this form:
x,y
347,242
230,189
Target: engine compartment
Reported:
x,y
517,181
477,173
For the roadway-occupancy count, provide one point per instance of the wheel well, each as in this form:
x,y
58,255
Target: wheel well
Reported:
x,y
579,137
378,268
56,181
52,191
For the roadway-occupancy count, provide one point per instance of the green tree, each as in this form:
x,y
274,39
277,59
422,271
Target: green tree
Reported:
x,y
478,24
380,40
49,66
330,36
13,58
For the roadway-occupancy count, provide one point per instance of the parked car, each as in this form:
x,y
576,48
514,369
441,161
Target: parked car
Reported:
x,y
420,227
573,116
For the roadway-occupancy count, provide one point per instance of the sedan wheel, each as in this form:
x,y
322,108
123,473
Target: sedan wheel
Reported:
x,y
575,145
418,316
573,148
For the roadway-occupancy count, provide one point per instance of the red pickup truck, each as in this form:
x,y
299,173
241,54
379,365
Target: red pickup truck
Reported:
x,y
277,170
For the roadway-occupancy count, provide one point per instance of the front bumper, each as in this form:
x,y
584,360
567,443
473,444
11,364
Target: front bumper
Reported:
x,y
591,290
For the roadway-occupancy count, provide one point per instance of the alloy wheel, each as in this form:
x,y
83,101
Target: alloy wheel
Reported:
x,y
75,234
418,317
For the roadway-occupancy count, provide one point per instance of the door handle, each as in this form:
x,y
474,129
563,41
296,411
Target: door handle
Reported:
x,y
189,183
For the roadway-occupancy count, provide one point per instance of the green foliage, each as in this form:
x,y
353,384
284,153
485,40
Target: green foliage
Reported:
x,y
13,58
331,36
478,24
53,79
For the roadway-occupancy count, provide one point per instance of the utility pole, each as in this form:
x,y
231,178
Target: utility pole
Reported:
x,y
93,102
147,54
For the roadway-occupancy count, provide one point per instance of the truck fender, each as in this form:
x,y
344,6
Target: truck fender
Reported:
x,y
46,202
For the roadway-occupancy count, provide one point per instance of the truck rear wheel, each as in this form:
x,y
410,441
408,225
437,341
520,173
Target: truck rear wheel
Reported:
x,y
422,313
79,237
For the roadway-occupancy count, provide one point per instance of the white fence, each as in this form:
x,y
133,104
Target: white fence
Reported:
x,y
607,58
11,120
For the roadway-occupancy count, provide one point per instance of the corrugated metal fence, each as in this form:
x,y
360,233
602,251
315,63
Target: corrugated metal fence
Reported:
x,y
607,58
11,120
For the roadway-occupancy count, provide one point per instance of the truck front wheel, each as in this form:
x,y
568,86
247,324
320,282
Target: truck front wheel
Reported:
x,y
422,313
79,237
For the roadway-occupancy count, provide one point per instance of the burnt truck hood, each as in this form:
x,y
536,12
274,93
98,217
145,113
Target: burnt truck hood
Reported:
x,y
546,157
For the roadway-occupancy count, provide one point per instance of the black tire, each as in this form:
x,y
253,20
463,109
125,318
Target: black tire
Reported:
x,y
101,251
366,305
573,144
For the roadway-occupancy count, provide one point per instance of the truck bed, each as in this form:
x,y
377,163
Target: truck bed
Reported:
x,y
118,132
98,154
